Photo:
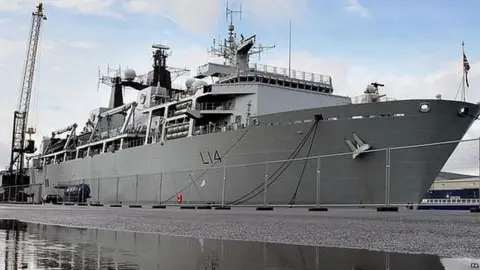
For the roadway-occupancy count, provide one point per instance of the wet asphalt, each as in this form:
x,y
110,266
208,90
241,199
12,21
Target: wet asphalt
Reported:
x,y
445,233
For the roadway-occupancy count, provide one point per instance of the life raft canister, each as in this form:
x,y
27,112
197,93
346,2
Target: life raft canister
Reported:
x,y
179,197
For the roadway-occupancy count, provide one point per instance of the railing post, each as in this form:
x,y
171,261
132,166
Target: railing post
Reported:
x,y
98,190
160,189
190,183
224,183
83,193
318,181
116,189
387,177
479,171
79,196
136,189
265,186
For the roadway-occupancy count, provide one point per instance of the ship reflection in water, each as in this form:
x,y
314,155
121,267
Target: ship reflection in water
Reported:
x,y
38,246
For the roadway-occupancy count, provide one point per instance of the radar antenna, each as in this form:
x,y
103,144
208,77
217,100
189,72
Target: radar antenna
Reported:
x,y
109,78
259,49
228,49
234,50
231,12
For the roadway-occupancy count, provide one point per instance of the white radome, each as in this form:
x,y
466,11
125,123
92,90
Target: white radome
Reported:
x,y
130,74
189,82
198,83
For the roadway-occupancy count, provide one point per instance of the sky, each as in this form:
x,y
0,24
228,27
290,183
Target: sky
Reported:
x,y
413,47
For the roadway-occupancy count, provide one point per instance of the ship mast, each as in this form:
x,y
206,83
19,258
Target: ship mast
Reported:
x,y
236,52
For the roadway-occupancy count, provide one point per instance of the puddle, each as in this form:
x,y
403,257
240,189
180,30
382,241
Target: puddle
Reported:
x,y
37,246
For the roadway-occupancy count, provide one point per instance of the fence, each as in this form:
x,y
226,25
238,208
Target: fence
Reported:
x,y
376,177
27,194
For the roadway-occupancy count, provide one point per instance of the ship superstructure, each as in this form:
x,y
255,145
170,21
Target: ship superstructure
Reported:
x,y
163,113
194,140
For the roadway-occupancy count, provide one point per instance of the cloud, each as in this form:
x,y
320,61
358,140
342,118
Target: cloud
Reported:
x,y
9,47
95,7
278,11
86,45
198,16
11,5
354,6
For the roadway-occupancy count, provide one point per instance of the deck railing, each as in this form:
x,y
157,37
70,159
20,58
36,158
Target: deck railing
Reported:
x,y
279,71
364,98
294,74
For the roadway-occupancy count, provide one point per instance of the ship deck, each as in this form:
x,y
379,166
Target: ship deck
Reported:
x,y
450,233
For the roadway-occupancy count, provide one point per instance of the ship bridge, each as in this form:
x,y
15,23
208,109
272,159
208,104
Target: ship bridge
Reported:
x,y
268,75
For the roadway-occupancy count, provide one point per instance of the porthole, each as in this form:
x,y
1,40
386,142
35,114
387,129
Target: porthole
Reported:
x,y
463,111
424,107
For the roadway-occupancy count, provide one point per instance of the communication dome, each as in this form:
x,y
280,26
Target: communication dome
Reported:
x,y
130,74
189,82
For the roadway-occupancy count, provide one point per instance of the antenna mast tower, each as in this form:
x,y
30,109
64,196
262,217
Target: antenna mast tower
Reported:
x,y
228,49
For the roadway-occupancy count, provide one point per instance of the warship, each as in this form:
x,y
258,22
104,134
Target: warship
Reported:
x,y
214,140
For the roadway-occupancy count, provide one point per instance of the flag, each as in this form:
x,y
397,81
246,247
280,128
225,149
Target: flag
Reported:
x,y
466,67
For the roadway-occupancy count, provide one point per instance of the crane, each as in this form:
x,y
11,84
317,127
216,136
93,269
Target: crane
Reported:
x,y
21,146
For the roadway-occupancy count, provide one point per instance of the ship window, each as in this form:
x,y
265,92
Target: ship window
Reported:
x,y
424,107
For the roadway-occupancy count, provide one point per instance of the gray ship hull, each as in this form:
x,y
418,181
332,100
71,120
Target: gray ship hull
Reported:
x,y
195,166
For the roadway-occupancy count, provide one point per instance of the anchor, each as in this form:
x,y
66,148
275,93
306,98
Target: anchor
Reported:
x,y
360,146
